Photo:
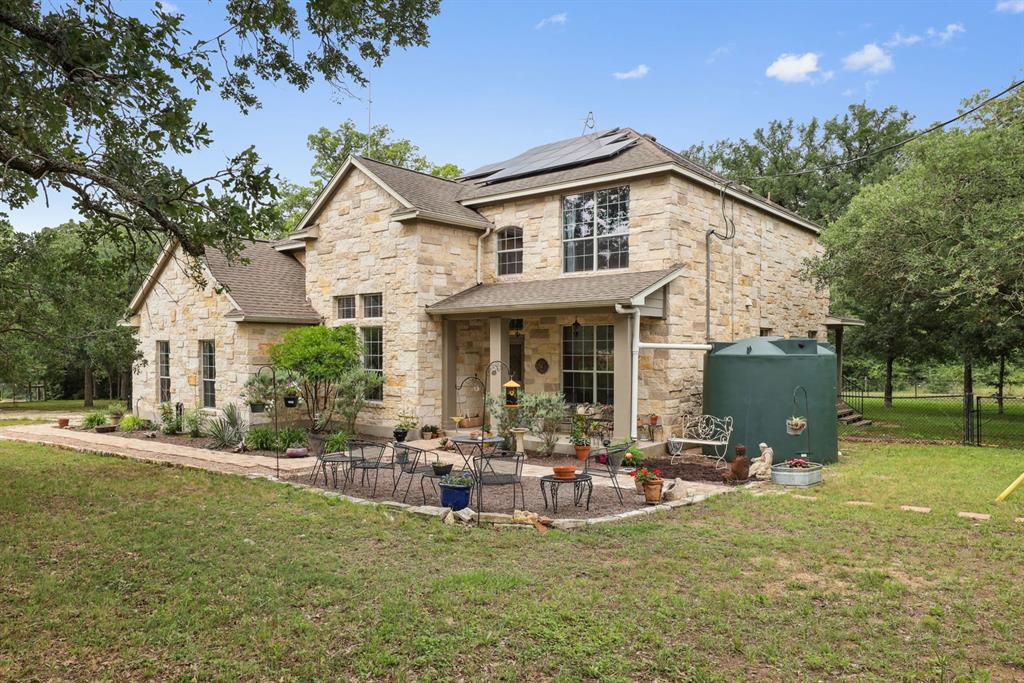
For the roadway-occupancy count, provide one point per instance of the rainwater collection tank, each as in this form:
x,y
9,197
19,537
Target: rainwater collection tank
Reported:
x,y
763,381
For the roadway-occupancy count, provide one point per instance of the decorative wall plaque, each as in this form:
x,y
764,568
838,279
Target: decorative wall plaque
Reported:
x,y
541,365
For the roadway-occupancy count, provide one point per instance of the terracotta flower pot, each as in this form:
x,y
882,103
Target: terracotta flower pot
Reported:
x,y
582,452
568,472
639,486
63,422
652,491
654,420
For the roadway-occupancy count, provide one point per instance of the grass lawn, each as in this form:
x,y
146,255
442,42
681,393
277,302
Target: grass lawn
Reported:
x,y
10,422
939,419
118,570
56,404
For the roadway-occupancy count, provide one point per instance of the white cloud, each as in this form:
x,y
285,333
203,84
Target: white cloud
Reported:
x,y
553,20
639,72
947,34
1010,6
870,58
168,7
899,40
849,92
722,51
794,68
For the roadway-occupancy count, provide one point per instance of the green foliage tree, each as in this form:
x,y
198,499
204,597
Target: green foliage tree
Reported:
x,y
320,356
350,395
785,147
332,147
96,103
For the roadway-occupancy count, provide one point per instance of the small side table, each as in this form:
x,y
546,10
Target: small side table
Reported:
x,y
580,483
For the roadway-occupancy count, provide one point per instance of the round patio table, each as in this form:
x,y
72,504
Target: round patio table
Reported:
x,y
468,446
579,483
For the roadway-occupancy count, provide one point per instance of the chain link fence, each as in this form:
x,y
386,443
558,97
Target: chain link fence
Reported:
x,y
931,418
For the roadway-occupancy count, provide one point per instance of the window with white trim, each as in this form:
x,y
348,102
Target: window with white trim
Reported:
x,y
510,251
373,358
208,362
163,364
346,306
595,230
373,305
588,364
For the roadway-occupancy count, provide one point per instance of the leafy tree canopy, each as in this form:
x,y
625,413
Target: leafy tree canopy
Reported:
x,y
784,147
95,102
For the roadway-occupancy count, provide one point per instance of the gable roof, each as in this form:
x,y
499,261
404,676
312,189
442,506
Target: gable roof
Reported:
x,y
271,287
421,195
588,291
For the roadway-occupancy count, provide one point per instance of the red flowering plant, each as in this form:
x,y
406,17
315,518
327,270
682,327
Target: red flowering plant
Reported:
x,y
798,463
644,474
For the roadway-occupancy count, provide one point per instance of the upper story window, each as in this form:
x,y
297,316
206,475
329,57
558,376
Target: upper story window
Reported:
x,y
595,230
510,251
373,305
346,306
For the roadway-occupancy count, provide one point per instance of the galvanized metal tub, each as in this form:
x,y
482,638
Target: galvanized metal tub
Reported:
x,y
797,476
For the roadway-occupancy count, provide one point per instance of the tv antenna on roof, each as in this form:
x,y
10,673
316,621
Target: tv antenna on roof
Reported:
x,y
588,123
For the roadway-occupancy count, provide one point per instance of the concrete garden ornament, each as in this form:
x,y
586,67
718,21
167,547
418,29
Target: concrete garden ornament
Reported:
x,y
761,466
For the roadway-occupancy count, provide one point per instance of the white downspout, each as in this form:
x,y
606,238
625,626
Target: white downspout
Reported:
x,y
635,369
479,245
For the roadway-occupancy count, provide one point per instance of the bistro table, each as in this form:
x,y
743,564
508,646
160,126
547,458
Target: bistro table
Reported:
x,y
579,483
468,446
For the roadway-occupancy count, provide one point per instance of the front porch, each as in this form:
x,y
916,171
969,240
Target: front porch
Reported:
x,y
573,336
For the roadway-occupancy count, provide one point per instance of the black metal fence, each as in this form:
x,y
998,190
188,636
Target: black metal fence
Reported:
x,y
934,418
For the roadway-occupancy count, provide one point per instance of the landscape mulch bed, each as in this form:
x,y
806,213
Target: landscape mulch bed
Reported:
x,y
691,467
179,440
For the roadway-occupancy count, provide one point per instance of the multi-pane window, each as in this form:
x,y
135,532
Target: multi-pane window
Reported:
x,y
373,358
588,363
163,364
595,230
765,332
373,305
208,363
510,251
346,306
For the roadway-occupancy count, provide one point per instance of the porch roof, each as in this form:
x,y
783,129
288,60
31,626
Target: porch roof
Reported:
x,y
587,291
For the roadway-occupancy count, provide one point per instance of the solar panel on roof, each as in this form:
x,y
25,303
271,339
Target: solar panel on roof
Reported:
x,y
599,145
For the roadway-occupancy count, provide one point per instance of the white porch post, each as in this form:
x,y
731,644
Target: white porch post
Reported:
x,y
623,407
449,349
498,351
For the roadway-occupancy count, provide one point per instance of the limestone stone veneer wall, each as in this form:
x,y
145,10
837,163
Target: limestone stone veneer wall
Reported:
x,y
177,311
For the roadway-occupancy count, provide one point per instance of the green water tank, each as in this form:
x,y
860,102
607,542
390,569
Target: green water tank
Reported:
x,y
763,381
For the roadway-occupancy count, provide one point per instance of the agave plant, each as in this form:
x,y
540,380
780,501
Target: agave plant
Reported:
x,y
228,430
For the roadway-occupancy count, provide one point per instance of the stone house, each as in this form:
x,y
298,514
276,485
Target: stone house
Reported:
x,y
560,267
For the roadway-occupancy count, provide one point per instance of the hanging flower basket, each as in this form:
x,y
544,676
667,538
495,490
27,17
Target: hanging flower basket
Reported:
x,y
795,426
291,401
257,407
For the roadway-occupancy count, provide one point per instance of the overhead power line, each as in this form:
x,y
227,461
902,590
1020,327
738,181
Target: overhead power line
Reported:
x,y
888,148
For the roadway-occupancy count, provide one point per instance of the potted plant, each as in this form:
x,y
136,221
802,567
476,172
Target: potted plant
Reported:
x,y
259,390
581,442
441,469
291,396
455,490
654,420
795,426
797,472
63,422
651,482
429,431
405,423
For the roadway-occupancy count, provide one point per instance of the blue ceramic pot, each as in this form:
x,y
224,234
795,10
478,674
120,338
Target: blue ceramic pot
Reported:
x,y
455,497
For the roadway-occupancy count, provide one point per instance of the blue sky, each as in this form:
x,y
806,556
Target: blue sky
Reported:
x,y
499,77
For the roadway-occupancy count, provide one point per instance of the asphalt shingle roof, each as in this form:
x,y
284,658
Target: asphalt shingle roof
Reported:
x,y
605,289
271,286
428,193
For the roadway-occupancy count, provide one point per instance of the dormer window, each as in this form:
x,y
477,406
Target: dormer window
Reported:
x,y
595,230
510,251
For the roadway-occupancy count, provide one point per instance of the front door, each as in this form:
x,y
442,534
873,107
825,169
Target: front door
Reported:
x,y
515,359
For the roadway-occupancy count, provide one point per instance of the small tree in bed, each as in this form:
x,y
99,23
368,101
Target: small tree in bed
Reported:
x,y
542,414
320,357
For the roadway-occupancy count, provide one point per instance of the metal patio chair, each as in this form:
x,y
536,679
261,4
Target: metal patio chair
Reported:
x,y
606,462
409,462
370,456
501,468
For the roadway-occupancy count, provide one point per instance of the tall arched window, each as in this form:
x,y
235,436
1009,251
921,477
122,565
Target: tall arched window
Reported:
x,y
510,251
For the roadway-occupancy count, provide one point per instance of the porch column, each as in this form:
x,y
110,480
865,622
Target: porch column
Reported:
x,y
499,351
449,345
623,375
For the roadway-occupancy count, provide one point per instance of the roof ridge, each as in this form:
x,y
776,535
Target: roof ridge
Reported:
x,y
403,168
